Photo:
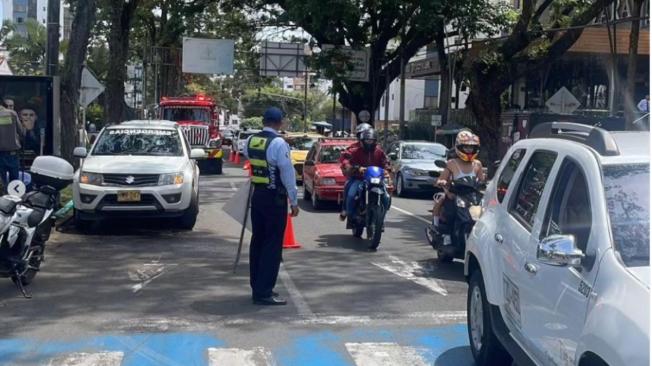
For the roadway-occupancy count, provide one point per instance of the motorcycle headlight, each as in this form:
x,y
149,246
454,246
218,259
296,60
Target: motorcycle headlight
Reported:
x,y
460,202
170,179
214,144
416,172
328,181
476,212
91,178
375,180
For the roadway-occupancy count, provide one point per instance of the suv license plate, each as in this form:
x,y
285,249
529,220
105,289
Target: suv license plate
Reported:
x,y
512,300
129,196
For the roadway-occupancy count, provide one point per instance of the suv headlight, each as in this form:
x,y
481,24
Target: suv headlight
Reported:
x,y
328,181
416,172
91,178
214,144
170,179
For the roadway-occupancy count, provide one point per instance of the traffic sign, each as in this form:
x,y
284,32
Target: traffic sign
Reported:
x,y
436,120
16,188
563,102
91,88
364,116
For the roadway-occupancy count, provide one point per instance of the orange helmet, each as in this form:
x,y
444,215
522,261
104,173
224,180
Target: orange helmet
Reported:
x,y
467,139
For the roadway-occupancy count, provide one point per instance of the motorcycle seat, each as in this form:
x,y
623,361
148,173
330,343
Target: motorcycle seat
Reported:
x,y
35,217
7,206
38,199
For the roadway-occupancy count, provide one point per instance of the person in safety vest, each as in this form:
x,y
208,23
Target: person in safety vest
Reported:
x,y
274,183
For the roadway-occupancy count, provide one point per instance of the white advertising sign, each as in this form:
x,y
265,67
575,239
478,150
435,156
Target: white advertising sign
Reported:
x,y
359,58
208,56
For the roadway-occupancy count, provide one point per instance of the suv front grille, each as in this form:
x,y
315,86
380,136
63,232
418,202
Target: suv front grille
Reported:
x,y
197,135
137,180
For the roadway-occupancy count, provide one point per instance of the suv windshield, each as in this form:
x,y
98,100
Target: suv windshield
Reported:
x,y
627,188
301,143
423,151
244,135
331,154
177,114
133,141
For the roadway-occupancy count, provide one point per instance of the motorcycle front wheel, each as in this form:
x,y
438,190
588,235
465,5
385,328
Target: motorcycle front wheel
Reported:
x,y
375,226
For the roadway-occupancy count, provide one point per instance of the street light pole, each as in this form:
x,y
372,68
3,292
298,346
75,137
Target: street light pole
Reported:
x,y
401,116
52,50
305,103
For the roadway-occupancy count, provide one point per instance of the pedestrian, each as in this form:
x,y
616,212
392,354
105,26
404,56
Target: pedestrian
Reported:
x,y
274,182
10,103
644,104
11,131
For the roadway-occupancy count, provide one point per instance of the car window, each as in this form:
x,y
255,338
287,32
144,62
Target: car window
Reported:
x,y
627,189
136,141
569,211
301,143
394,149
508,173
331,154
311,153
533,181
183,113
423,151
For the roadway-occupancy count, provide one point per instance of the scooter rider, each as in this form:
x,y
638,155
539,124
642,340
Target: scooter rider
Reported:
x,y
367,155
467,148
358,132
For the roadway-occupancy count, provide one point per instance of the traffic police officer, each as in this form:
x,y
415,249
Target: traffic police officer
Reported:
x,y
274,182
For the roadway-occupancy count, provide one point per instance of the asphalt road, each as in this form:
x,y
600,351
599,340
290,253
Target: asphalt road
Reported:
x,y
137,293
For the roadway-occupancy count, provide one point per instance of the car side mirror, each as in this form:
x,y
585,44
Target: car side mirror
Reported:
x,y
393,156
309,163
197,154
80,152
560,251
440,164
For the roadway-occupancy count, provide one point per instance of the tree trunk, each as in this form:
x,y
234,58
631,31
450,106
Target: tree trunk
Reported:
x,y
446,85
487,104
71,75
122,14
630,88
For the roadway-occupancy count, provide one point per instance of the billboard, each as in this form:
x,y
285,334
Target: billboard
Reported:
x,y
208,56
360,58
282,59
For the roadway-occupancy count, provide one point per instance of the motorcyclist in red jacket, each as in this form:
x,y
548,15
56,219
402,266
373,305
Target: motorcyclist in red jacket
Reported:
x,y
358,132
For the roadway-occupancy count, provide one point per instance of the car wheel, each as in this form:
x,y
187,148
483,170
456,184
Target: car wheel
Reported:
x,y
316,202
400,189
485,347
81,224
306,194
189,218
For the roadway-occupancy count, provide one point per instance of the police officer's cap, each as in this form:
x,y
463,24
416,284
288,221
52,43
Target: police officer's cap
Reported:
x,y
273,115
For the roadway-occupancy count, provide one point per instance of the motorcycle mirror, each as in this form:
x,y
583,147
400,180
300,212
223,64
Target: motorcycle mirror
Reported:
x,y
440,163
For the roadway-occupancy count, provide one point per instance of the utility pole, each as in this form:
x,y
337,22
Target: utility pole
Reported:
x,y
401,116
387,84
305,104
335,110
52,46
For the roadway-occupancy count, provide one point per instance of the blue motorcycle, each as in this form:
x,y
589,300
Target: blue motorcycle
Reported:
x,y
369,209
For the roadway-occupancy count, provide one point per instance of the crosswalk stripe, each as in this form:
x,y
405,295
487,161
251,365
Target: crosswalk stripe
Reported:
x,y
415,272
259,356
89,359
384,354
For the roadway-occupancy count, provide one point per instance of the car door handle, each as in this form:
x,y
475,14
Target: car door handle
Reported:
x,y
499,238
531,268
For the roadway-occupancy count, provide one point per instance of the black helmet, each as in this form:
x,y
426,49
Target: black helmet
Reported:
x,y
361,128
369,134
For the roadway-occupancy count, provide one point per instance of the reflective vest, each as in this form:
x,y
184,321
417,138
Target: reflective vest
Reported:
x,y
257,153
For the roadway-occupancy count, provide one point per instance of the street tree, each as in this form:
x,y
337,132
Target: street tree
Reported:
x,y
543,32
71,73
371,23
27,52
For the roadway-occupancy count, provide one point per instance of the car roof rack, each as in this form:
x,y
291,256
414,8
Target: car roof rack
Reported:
x,y
595,137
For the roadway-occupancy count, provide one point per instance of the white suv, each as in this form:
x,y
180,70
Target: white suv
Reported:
x,y
138,169
559,263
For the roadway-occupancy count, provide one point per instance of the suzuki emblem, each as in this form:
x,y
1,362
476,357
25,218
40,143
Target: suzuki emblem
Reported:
x,y
130,179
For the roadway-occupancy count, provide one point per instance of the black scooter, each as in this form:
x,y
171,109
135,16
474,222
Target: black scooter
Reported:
x,y
468,193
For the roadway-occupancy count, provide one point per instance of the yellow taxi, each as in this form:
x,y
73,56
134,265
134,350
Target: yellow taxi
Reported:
x,y
300,143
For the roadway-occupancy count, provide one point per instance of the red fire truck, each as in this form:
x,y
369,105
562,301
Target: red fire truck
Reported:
x,y
199,119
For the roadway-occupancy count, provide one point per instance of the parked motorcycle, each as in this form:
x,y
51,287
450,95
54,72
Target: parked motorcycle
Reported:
x,y
26,222
468,193
369,209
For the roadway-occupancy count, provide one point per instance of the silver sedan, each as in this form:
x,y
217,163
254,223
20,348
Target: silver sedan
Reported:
x,y
413,165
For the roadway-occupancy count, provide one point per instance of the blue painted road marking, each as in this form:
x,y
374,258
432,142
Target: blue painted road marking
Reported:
x,y
445,346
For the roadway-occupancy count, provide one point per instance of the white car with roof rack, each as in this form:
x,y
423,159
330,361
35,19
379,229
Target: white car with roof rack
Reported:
x,y
559,263
138,169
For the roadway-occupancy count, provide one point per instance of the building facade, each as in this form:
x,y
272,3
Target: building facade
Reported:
x,y
20,10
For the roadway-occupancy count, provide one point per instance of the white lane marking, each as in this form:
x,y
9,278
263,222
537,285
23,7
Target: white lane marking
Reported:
x,y
233,187
410,214
384,354
89,359
415,272
147,274
239,357
295,294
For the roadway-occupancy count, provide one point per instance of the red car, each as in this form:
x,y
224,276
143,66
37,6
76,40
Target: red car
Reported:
x,y
322,176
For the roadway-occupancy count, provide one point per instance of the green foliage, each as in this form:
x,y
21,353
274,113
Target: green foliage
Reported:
x,y
27,53
255,123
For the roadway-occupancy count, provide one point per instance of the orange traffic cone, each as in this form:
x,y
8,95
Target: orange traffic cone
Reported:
x,y
231,156
288,238
237,158
247,166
